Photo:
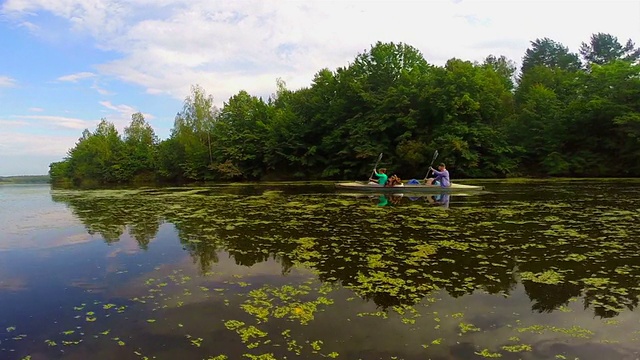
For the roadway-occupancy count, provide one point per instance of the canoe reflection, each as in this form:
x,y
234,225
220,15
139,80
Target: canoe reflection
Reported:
x,y
442,199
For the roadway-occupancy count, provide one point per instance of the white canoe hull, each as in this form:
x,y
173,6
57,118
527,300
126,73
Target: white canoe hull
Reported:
x,y
357,186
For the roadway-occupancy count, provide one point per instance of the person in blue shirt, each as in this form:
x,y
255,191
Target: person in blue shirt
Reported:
x,y
442,176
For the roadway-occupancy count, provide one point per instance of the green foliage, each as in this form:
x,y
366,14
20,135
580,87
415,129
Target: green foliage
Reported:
x,y
240,134
468,104
573,122
192,137
140,149
549,53
561,118
602,117
504,67
97,157
539,128
603,48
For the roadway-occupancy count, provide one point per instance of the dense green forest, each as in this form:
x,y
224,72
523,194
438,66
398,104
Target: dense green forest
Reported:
x,y
561,114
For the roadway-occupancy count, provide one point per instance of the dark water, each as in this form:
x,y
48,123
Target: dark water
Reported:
x,y
535,270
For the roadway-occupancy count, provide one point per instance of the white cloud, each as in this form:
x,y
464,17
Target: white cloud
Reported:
x,y
6,81
36,109
119,108
95,16
28,143
100,90
74,78
18,143
12,123
77,76
168,45
60,121
30,26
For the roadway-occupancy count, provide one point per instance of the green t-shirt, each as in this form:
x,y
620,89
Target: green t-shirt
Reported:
x,y
382,179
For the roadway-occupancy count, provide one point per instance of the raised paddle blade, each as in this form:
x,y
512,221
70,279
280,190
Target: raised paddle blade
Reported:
x,y
435,156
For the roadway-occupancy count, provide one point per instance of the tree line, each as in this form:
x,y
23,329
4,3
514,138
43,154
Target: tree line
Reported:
x,y
25,179
562,114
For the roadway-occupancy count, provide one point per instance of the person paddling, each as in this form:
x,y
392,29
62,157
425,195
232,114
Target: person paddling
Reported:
x,y
382,177
442,176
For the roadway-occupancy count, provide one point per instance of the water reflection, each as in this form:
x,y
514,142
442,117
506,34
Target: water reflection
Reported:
x,y
439,200
385,199
559,250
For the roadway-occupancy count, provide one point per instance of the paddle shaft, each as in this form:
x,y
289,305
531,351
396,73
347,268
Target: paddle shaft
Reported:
x,y
435,155
376,166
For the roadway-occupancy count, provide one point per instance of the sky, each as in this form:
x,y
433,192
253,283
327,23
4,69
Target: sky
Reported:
x,y
66,64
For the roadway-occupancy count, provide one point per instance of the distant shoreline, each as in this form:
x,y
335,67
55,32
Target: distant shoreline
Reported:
x,y
25,179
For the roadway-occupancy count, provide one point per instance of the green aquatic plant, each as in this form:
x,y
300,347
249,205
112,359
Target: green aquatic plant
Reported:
x,y
316,345
574,331
548,277
596,282
454,245
517,348
268,356
488,354
196,342
464,327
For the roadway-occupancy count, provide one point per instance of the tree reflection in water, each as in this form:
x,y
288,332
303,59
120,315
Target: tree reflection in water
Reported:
x,y
399,253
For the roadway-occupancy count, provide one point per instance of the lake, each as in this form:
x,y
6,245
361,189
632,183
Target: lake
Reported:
x,y
525,270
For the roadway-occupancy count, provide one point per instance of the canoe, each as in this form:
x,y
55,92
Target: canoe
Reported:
x,y
357,186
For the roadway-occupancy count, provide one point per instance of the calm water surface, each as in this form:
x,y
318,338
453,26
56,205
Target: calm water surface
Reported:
x,y
536,270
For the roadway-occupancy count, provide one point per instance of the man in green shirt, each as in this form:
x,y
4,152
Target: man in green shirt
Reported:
x,y
382,177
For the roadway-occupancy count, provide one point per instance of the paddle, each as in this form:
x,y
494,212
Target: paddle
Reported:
x,y
376,166
435,155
